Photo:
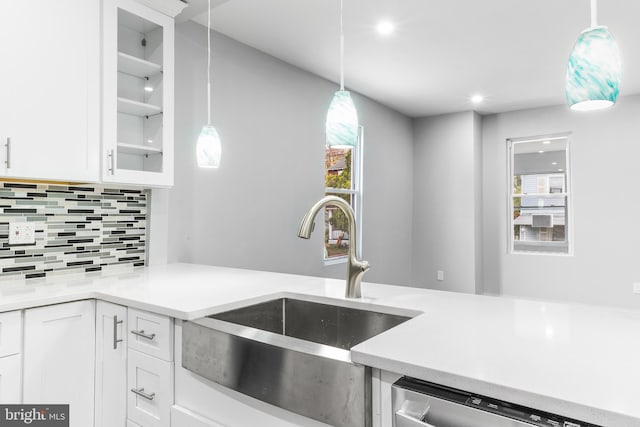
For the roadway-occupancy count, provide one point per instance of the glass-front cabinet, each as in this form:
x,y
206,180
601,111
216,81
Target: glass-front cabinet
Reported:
x,y
137,94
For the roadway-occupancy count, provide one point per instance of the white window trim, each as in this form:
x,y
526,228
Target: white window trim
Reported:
x,y
357,155
568,193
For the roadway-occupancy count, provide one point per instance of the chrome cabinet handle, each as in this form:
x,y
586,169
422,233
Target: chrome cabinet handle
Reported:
x,y
8,152
141,333
116,322
140,392
111,157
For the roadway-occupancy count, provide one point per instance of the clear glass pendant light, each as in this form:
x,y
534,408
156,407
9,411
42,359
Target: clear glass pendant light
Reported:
x,y
342,117
208,147
594,68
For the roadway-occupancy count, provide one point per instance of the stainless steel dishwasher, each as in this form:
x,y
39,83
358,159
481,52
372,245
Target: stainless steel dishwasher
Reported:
x,y
418,403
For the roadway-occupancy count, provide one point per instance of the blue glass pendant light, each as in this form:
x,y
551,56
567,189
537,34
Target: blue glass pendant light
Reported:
x,y
593,71
342,117
208,147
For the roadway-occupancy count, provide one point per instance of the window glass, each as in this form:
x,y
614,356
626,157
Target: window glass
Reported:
x,y
342,179
540,195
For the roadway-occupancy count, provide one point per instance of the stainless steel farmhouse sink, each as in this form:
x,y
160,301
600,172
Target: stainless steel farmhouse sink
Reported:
x,y
292,352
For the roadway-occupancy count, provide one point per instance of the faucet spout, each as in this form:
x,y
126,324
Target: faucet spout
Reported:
x,y
355,267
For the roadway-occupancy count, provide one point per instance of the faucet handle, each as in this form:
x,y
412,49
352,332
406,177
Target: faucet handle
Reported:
x,y
364,265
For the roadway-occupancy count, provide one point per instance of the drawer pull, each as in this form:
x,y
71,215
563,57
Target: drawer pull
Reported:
x,y
141,333
116,322
140,392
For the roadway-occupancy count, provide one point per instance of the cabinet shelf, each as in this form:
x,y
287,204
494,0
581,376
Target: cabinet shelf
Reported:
x,y
137,149
135,108
134,66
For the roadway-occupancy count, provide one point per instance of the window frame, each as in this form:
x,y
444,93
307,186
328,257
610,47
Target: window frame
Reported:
x,y
356,193
568,193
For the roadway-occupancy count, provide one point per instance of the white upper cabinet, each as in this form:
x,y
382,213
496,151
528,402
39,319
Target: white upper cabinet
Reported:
x,y
50,89
138,44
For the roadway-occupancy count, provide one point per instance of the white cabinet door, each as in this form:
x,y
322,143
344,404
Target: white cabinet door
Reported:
x,y
138,99
59,358
10,333
50,86
111,364
10,390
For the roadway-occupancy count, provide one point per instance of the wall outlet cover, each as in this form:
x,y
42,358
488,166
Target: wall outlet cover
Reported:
x,y
22,233
440,275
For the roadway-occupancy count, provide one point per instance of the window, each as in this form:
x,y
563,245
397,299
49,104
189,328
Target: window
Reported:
x,y
343,178
539,199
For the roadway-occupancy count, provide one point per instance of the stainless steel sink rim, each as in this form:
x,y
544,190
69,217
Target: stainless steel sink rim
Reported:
x,y
363,304
310,378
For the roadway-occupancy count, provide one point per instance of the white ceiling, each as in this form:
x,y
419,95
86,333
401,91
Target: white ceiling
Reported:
x,y
513,52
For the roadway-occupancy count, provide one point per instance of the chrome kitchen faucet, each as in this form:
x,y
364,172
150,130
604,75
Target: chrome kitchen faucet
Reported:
x,y
355,267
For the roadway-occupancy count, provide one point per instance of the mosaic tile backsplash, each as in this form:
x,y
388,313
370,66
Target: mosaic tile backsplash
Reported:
x,y
78,229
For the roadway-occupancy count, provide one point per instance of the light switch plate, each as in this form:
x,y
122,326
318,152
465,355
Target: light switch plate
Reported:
x,y
440,275
22,233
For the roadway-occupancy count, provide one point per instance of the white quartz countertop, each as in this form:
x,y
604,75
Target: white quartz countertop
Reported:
x,y
575,360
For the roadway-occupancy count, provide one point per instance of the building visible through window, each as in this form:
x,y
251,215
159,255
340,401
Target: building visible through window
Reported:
x,y
539,199
343,179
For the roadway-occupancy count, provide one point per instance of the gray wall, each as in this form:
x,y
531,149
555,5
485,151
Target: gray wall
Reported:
x,y
605,148
270,116
435,188
446,209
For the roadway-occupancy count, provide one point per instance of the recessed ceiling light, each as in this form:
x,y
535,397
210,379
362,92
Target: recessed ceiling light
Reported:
x,y
385,28
148,88
554,163
477,99
540,151
546,142
560,170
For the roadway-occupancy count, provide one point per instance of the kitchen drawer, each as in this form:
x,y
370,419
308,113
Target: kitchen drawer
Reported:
x,y
185,418
10,333
150,333
152,378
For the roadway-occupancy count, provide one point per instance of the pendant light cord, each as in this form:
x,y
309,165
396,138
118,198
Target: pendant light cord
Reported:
x,y
209,65
594,13
341,48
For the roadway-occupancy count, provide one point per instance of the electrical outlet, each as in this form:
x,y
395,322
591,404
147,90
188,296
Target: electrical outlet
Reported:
x,y
636,288
440,275
22,233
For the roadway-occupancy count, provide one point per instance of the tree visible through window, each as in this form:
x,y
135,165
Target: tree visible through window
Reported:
x,y
342,179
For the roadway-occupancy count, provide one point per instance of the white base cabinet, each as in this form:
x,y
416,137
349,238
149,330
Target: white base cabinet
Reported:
x,y
111,365
10,380
59,358
150,368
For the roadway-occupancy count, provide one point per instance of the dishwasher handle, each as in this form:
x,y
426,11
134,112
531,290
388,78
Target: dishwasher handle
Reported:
x,y
406,420
412,413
